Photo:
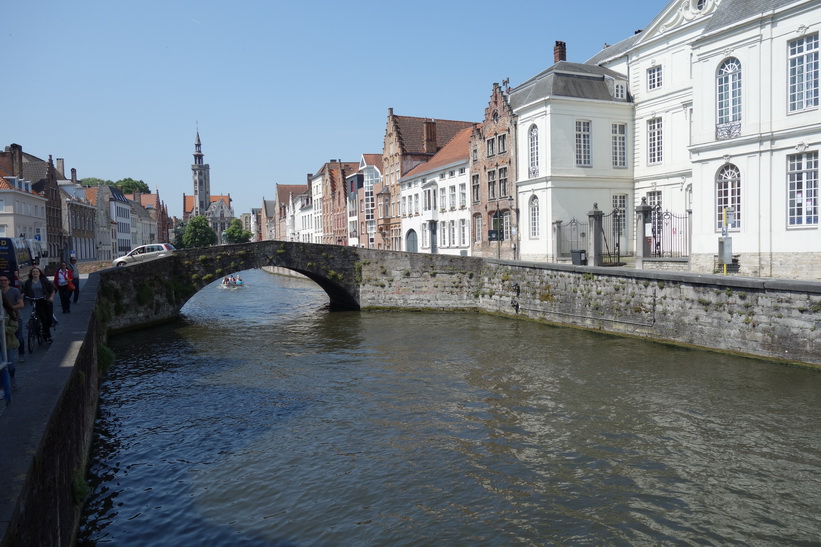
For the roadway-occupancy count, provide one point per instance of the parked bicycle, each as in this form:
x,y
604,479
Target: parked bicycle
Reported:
x,y
34,326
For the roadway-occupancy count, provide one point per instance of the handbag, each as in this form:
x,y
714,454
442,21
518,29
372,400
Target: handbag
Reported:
x,y
70,286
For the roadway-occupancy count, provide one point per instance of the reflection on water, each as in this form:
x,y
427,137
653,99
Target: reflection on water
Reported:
x,y
264,419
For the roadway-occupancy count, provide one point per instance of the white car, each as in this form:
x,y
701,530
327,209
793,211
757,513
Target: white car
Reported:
x,y
144,253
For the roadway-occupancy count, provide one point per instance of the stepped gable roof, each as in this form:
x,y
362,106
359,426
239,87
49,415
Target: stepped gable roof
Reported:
x,y
284,191
457,149
412,132
565,79
372,159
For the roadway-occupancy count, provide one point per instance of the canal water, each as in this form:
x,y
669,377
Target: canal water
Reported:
x,y
264,419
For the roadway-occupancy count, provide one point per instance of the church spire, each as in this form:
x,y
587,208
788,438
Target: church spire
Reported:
x,y
201,173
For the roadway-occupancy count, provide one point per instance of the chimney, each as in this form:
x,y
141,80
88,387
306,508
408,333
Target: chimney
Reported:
x,y
73,175
61,164
559,52
430,136
17,160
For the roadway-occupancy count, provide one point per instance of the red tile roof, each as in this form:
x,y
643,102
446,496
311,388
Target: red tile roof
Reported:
x,y
457,149
412,132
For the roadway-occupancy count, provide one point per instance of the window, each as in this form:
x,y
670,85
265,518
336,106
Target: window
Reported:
x,y
425,243
452,233
654,77
620,91
503,182
619,207
475,154
475,187
441,176
461,170
463,232
619,140
802,189
654,140
491,185
477,229
534,216
491,145
583,143
416,204
533,142
728,99
443,198
453,196
463,195
803,77
443,235
452,173
502,144
505,235
728,194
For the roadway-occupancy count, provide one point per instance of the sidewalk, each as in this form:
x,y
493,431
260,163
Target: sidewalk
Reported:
x,y
41,382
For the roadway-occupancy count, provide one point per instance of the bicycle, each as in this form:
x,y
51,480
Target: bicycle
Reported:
x,y
34,326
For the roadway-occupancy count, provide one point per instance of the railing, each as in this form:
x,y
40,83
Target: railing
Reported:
x,y
572,236
614,237
670,234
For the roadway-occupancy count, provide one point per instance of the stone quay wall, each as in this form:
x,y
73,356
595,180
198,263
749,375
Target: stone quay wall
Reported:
x,y
769,318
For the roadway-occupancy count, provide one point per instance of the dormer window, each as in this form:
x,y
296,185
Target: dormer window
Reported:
x,y
620,92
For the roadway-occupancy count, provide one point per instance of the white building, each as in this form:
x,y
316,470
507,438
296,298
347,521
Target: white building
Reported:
x,y
727,121
22,211
574,143
434,201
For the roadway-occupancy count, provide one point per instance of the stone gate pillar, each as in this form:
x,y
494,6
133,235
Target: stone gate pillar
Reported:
x,y
642,246
595,230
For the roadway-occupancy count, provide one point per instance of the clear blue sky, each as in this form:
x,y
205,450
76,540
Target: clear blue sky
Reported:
x,y
118,88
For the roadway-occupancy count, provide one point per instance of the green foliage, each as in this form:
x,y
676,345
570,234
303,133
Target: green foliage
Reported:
x,y
79,486
130,186
198,233
236,233
92,181
179,232
105,358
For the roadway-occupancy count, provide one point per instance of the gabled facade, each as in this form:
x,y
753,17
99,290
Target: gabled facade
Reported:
x,y
362,201
492,187
268,215
282,224
408,142
434,201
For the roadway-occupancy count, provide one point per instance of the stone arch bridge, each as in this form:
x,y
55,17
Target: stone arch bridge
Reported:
x,y
694,310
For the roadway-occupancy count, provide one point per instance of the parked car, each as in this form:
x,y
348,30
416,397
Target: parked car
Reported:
x,y
144,253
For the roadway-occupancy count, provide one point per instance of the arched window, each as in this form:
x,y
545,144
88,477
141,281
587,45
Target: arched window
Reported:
x,y
533,140
728,99
728,196
534,216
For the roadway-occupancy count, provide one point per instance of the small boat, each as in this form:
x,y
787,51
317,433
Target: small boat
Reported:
x,y
232,282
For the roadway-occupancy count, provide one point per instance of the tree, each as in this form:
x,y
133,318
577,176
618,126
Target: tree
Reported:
x,y
91,181
198,233
179,233
131,186
236,233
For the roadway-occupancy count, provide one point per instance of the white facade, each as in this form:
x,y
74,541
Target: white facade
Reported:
x,y
434,210
316,230
727,118
573,152
22,212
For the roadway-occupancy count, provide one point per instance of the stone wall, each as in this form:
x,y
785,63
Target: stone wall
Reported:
x,y
774,319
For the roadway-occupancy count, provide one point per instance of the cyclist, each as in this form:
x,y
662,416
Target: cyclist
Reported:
x,y
39,287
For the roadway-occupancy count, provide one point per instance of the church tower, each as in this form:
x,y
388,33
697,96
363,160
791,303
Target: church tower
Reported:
x,y
201,174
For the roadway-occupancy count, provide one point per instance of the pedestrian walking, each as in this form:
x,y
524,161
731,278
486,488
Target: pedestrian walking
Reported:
x,y
15,299
41,290
75,274
65,286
